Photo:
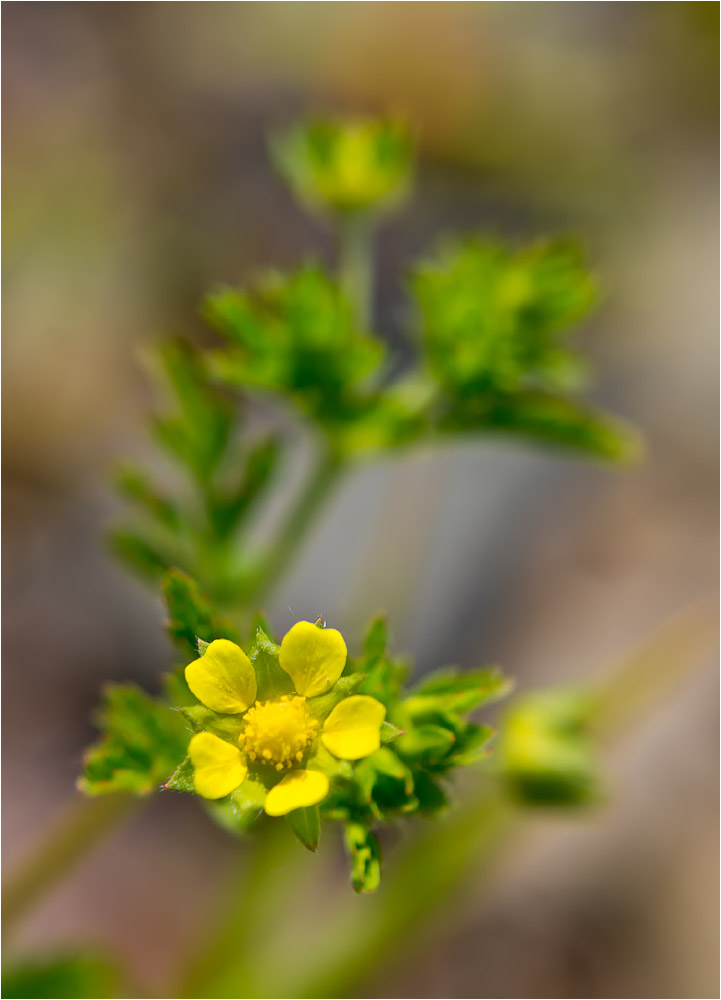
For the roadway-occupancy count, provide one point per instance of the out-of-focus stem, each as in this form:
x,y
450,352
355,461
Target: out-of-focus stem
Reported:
x,y
355,265
82,826
302,515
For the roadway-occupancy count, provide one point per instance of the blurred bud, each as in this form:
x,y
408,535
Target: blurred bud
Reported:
x,y
356,165
546,750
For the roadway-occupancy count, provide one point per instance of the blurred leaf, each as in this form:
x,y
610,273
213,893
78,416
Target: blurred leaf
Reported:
x,y
198,434
428,744
455,691
294,335
143,741
139,554
305,824
241,809
345,165
189,615
365,854
134,484
73,975
546,749
231,506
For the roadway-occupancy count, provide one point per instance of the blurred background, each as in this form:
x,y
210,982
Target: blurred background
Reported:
x,y
136,178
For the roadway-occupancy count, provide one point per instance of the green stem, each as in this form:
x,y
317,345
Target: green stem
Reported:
x,y
82,826
302,515
355,265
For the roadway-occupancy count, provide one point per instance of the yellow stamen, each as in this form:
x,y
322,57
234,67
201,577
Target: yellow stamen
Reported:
x,y
278,732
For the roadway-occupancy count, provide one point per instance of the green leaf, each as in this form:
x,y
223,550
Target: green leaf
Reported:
x,y
71,975
365,853
231,505
449,690
546,750
295,335
143,741
144,557
471,745
428,744
134,484
189,615
199,431
305,824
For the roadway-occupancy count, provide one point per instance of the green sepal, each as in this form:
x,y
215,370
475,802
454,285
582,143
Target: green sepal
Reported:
x,y
143,741
202,719
182,779
389,732
305,824
273,681
240,810
146,557
323,704
322,760
365,852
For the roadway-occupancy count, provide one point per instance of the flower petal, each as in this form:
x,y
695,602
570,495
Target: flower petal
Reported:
x,y
218,766
223,679
297,790
314,657
353,728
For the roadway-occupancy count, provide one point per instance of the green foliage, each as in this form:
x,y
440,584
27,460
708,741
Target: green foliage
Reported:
x,y
365,854
72,975
495,322
547,750
345,166
142,743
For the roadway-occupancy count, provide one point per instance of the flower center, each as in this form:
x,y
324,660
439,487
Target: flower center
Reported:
x,y
278,732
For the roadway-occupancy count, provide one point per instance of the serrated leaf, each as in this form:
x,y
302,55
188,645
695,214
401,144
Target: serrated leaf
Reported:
x,y
189,615
305,824
143,741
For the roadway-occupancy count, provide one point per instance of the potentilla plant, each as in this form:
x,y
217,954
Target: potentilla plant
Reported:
x,y
298,729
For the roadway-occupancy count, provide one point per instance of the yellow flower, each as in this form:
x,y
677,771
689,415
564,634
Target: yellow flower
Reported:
x,y
281,735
